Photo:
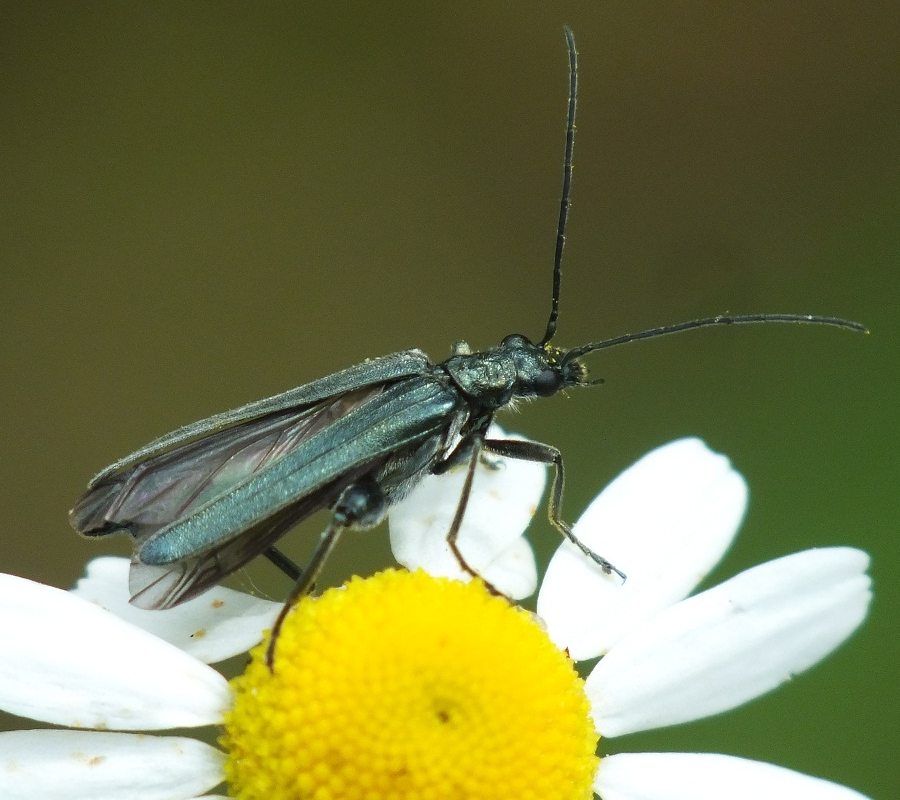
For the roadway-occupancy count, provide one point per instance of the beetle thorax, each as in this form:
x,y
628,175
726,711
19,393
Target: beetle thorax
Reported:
x,y
489,377
517,369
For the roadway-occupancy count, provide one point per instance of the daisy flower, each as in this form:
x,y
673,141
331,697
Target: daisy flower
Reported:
x,y
409,686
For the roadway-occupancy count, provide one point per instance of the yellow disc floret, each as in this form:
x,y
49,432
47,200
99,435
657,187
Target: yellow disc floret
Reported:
x,y
407,687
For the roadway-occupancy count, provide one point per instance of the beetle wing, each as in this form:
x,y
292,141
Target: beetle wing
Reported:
x,y
375,371
160,586
169,487
155,586
199,517
389,426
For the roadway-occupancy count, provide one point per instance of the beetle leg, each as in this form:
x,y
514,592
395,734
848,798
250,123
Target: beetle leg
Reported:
x,y
361,505
461,454
285,564
546,454
473,451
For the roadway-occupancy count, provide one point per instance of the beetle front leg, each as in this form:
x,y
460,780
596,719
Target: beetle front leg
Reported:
x,y
470,452
545,454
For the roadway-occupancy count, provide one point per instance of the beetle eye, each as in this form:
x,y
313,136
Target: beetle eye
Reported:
x,y
547,383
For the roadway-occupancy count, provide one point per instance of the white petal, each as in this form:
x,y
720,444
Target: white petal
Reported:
x,y
513,571
708,776
217,625
504,498
66,661
737,641
93,765
665,522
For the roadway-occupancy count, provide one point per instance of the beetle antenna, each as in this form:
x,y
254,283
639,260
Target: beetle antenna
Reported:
x,y
706,322
567,183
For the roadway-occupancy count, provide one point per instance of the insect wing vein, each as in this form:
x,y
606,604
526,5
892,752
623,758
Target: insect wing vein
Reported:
x,y
165,488
375,371
410,411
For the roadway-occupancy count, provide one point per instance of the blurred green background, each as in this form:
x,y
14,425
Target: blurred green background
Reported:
x,y
206,203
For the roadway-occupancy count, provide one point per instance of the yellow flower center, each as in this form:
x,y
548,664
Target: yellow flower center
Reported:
x,y
406,687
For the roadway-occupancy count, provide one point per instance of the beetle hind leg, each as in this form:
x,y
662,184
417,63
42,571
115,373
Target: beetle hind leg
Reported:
x,y
361,504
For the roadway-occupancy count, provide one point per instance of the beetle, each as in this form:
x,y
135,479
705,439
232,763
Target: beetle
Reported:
x,y
202,501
